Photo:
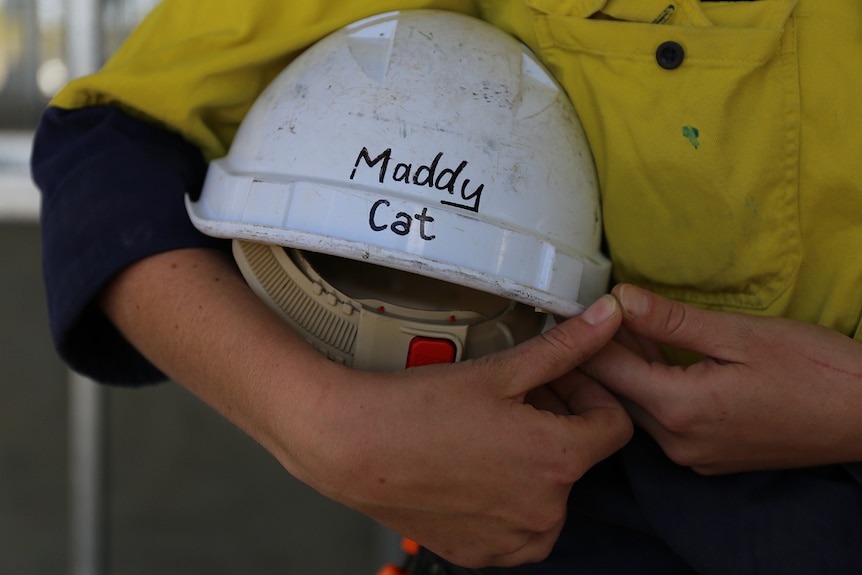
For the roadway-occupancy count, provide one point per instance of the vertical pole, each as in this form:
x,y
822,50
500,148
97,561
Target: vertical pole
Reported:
x,y
87,421
83,36
387,546
87,477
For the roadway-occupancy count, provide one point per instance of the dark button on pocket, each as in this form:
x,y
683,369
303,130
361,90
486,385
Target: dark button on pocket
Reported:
x,y
670,55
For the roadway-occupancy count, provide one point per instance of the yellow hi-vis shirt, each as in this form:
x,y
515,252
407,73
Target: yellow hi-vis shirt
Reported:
x,y
726,134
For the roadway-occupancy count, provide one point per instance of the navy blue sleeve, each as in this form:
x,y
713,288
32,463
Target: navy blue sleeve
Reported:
x,y
112,194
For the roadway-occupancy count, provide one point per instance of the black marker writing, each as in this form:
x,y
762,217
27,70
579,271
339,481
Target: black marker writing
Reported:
x,y
403,222
426,175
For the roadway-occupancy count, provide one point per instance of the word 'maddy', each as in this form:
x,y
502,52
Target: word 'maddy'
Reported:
x,y
425,175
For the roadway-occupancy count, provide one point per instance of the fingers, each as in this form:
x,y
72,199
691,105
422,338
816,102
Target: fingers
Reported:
x,y
717,335
599,424
559,350
646,348
544,398
602,425
537,547
580,393
644,385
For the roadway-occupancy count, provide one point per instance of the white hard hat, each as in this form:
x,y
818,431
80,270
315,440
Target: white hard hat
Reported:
x,y
424,141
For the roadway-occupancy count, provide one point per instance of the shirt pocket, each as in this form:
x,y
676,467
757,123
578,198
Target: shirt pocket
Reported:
x,y
692,112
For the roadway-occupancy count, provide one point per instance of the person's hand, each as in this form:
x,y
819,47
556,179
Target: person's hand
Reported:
x,y
769,393
453,457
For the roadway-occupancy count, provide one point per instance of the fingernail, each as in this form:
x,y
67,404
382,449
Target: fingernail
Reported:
x,y
601,310
634,300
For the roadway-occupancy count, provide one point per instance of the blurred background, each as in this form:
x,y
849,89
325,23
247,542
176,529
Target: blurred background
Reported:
x,y
123,481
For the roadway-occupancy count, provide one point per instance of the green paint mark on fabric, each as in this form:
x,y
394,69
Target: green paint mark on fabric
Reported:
x,y
691,134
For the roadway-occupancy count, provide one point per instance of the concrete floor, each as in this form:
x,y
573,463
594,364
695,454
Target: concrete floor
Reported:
x,y
188,492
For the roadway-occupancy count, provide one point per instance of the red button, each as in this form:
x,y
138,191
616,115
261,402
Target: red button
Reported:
x,y
428,350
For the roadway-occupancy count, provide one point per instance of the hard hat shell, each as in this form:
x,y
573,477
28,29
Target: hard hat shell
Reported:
x,y
425,141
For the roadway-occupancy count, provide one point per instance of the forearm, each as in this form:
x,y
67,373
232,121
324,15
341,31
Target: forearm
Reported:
x,y
192,315
391,445
840,386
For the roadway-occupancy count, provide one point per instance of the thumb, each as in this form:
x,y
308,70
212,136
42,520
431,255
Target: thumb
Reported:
x,y
559,350
677,324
